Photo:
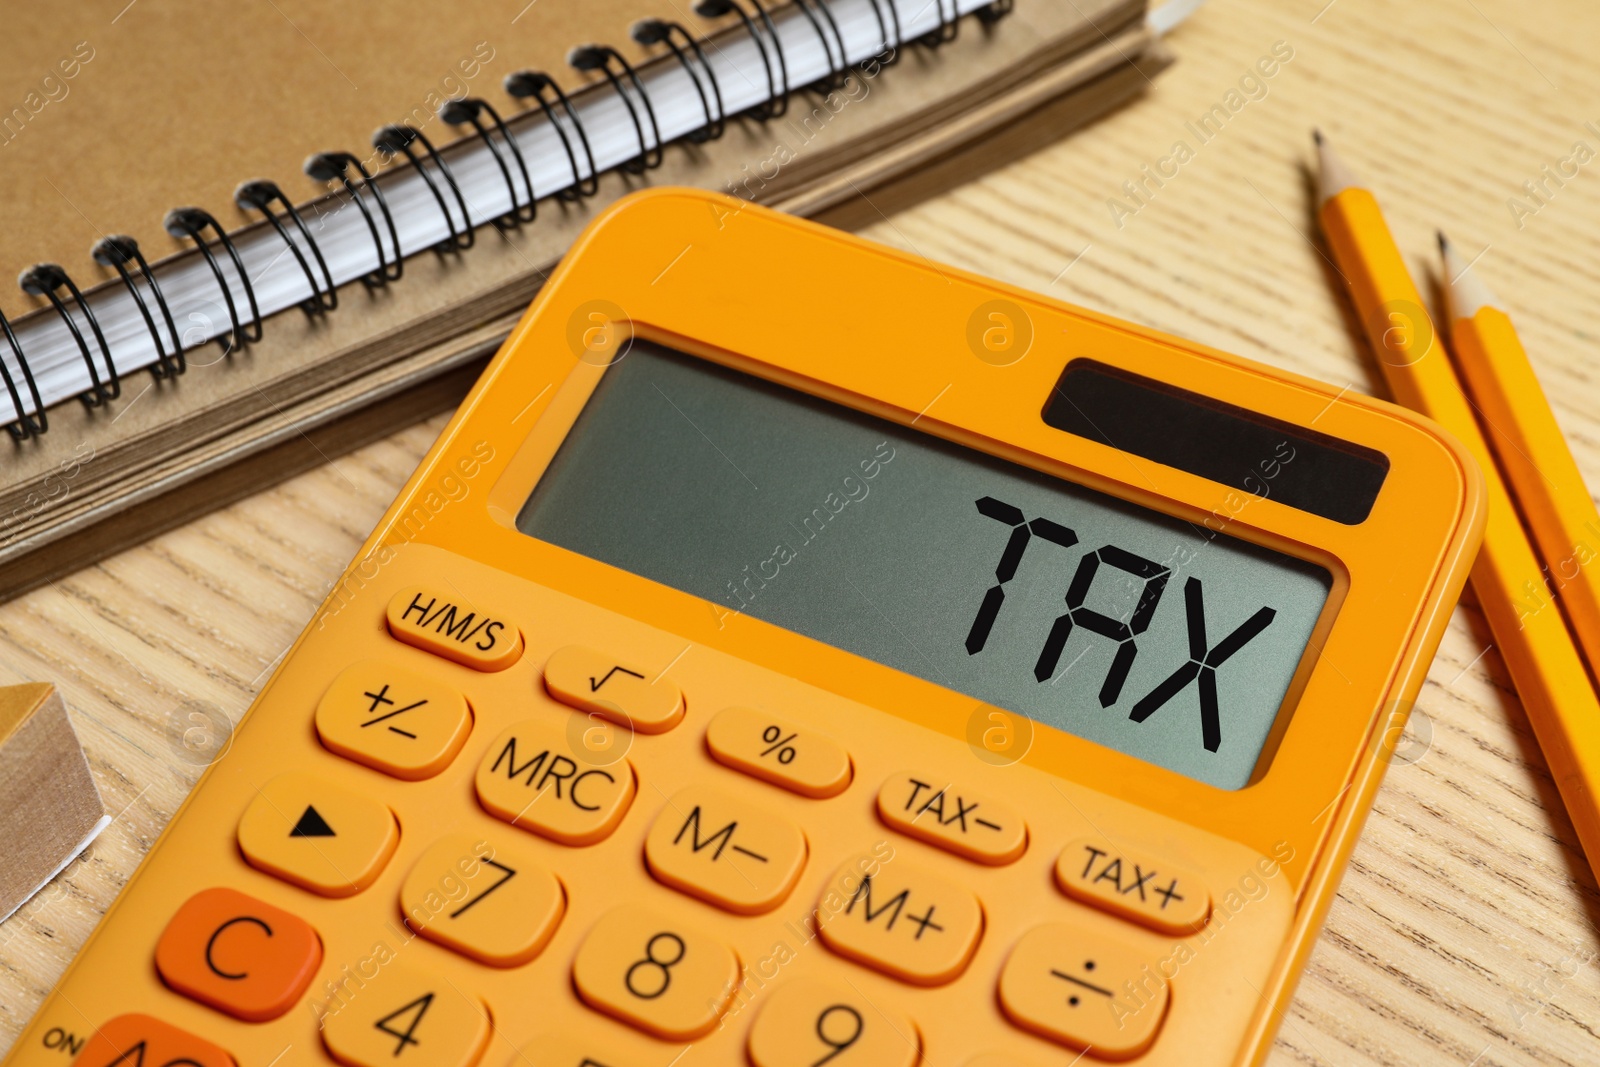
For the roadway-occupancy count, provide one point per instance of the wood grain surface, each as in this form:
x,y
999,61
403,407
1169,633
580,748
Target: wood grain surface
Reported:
x,y
1465,930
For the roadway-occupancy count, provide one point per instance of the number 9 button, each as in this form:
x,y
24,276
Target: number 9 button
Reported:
x,y
808,1022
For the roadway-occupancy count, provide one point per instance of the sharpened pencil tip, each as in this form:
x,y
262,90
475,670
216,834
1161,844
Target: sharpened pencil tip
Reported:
x,y
1333,177
1465,292
1444,242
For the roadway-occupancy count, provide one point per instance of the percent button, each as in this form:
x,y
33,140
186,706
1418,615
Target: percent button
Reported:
x,y
779,751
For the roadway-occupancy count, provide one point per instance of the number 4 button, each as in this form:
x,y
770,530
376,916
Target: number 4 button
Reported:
x,y
409,1019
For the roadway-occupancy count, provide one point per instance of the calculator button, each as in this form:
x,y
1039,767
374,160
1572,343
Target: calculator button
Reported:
x,y
947,814
1133,886
1085,990
132,1040
238,954
405,1018
624,693
580,1048
997,1059
807,1022
901,919
718,847
469,632
393,720
777,751
320,836
488,899
535,777
655,972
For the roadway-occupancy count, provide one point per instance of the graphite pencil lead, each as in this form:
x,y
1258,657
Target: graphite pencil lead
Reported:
x,y
1465,292
1333,176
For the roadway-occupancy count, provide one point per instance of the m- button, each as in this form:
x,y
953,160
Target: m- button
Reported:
x,y
1133,886
953,817
715,846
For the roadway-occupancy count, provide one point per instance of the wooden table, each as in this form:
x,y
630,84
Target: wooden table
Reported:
x,y
1465,931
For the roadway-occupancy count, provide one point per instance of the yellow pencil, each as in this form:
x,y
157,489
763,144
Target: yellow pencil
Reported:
x,y
1538,649
1533,455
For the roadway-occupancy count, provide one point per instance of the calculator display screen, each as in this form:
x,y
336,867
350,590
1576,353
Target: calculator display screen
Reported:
x,y
1164,639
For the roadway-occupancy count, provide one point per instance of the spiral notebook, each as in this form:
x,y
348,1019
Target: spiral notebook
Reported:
x,y
158,363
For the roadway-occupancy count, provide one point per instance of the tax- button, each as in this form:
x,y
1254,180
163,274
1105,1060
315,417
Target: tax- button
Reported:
x,y
1084,990
778,751
624,693
320,836
559,784
134,1040
471,632
1133,885
901,919
720,848
393,720
953,817
488,899
808,1022
656,973
238,954
409,1018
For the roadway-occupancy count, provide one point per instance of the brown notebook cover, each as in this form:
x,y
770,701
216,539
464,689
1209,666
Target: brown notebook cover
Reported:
x,y
175,101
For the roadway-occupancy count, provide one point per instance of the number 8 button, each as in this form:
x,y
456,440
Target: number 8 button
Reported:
x,y
654,972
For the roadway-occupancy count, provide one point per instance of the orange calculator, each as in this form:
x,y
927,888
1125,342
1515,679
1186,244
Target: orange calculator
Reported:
x,y
795,653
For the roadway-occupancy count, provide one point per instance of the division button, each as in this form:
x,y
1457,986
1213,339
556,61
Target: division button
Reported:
x,y
655,972
808,1022
320,836
953,817
1133,885
778,751
410,1019
720,848
622,692
901,919
472,633
486,898
393,720
238,954
1084,990
131,1040
539,778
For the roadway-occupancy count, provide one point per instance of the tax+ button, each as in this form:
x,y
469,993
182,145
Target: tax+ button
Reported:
x,y
1133,886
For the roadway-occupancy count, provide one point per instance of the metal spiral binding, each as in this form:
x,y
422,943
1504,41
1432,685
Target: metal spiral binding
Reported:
x,y
588,57
191,222
777,101
949,28
335,166
660,31
522,85
43,279
121,253
117,251
836,76
260,195
461,112
24,425
397,140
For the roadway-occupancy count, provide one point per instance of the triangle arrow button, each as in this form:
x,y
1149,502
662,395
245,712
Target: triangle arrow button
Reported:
x,y
311,824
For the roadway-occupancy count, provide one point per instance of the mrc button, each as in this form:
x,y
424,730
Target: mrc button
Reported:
x,y
948,814
1133,885
470,632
